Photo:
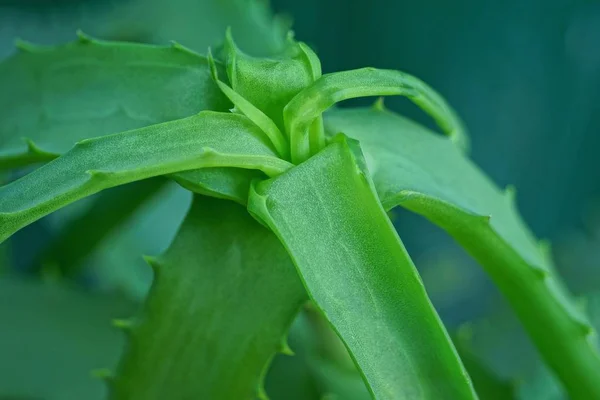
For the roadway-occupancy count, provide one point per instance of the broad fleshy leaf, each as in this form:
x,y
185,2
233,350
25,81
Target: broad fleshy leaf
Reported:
x,y
57,96
416,169
208,139
223,298
356,270
53,336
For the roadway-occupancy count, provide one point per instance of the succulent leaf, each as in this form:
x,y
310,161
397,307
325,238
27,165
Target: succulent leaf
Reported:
x,y
223,298
308,105
60,95
208,139
416,169
356,270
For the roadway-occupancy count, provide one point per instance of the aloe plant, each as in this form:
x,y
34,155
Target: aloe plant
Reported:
x,y
290,205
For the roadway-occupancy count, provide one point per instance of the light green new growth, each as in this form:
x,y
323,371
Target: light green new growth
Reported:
x,y
254,114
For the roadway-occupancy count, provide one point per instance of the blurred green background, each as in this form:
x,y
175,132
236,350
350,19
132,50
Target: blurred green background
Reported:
x,y
524,75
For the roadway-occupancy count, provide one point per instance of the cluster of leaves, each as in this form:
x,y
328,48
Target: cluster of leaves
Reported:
x,y
289,205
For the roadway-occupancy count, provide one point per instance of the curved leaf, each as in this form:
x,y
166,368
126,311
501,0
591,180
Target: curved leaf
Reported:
x,y
270,83
425,173
242,105
223,298
209,139
356,270
57,96
332,88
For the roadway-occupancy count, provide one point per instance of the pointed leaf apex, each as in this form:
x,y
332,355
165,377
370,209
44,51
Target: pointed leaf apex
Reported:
x,y
212,65
31,146
229,38
152,262
486,219
25,46
35,149
179,47
541,272
379,104
125,325
261,393
82,37
312,59
284,348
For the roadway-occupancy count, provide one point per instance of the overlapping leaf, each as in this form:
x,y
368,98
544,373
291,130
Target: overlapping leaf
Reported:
x,y
223,298
308,105
358,273
208,139
109,211
64,94
498,343
270,83
425,173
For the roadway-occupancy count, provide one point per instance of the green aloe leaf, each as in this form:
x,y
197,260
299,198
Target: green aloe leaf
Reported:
x,y
57,96
356,270
109,212
243,106
53,336
281,76
223,298
308,105
423,172
115,263
208,139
